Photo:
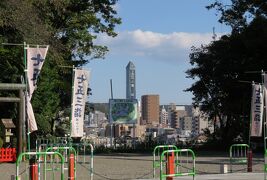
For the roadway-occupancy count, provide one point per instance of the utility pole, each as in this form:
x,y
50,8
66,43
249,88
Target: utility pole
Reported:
x,y
111,124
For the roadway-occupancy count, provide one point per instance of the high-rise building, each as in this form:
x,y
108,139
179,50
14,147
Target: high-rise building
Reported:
x,y
171,107
130,81
163,116
186,123
200,121
176,116
150,109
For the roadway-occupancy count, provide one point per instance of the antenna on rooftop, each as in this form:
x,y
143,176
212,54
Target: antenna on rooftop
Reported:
x,y
111,89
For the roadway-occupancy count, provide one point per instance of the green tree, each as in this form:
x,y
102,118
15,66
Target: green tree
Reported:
x,y
239,13
220,68
70,28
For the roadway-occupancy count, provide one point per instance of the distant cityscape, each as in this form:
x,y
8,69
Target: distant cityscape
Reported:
x,y
166,123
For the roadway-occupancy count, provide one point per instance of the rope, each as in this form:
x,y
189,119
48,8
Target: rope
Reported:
x,y
245,168
102,176
106,177
145,175
206,172
24,171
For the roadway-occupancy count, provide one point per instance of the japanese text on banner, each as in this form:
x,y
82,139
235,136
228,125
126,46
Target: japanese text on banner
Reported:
x,y
81,80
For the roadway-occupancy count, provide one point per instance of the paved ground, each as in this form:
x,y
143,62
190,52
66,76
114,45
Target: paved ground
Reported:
x,y
136,166
235,176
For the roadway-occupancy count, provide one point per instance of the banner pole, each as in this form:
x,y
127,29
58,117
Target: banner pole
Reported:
x,y
26,99
264,109
250,121
111,123
72,90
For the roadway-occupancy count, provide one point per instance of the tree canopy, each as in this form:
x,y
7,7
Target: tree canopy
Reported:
x,y
239,13
69,27
225,68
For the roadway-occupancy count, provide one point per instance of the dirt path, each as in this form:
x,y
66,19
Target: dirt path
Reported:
x,y
137,166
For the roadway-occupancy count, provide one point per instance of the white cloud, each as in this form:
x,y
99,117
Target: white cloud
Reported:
x,y
146,39
174,47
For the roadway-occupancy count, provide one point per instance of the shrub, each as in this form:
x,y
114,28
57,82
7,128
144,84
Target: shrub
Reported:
x,y
1,142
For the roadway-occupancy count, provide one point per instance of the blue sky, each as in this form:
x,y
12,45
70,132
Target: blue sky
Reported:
x,y
156,36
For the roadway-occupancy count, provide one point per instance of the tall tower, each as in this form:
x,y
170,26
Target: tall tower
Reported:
x,y
163,116
130,81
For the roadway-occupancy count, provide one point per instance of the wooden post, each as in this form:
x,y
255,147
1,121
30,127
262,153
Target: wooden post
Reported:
x,y
249,160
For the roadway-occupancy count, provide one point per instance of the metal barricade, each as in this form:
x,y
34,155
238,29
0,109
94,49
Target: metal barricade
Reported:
x,y
62,141
156,155
182,161
238,154
56,149
44,147
63,144
84,146
41,141
28,154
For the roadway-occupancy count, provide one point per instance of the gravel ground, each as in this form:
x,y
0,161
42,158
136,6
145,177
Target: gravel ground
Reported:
x,y
139,166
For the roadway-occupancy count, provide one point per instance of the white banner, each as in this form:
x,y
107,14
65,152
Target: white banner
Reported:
x,y
31,119
79,97
35,61
265,95
256,110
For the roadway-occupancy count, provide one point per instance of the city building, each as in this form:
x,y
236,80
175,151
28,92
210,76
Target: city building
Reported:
x,y
200,121
150,109
163,116
130,81
95,119
176,116
119,130
93,122
171,107
186,123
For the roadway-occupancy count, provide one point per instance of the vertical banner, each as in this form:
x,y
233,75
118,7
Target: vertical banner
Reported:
x,y
265,92
265,80
35,61
256,110
79,97
31,119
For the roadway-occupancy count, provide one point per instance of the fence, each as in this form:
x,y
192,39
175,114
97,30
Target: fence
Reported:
x,y
238,154
156,155
45,154
57,149
8,154
58,141
181,162
83,147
